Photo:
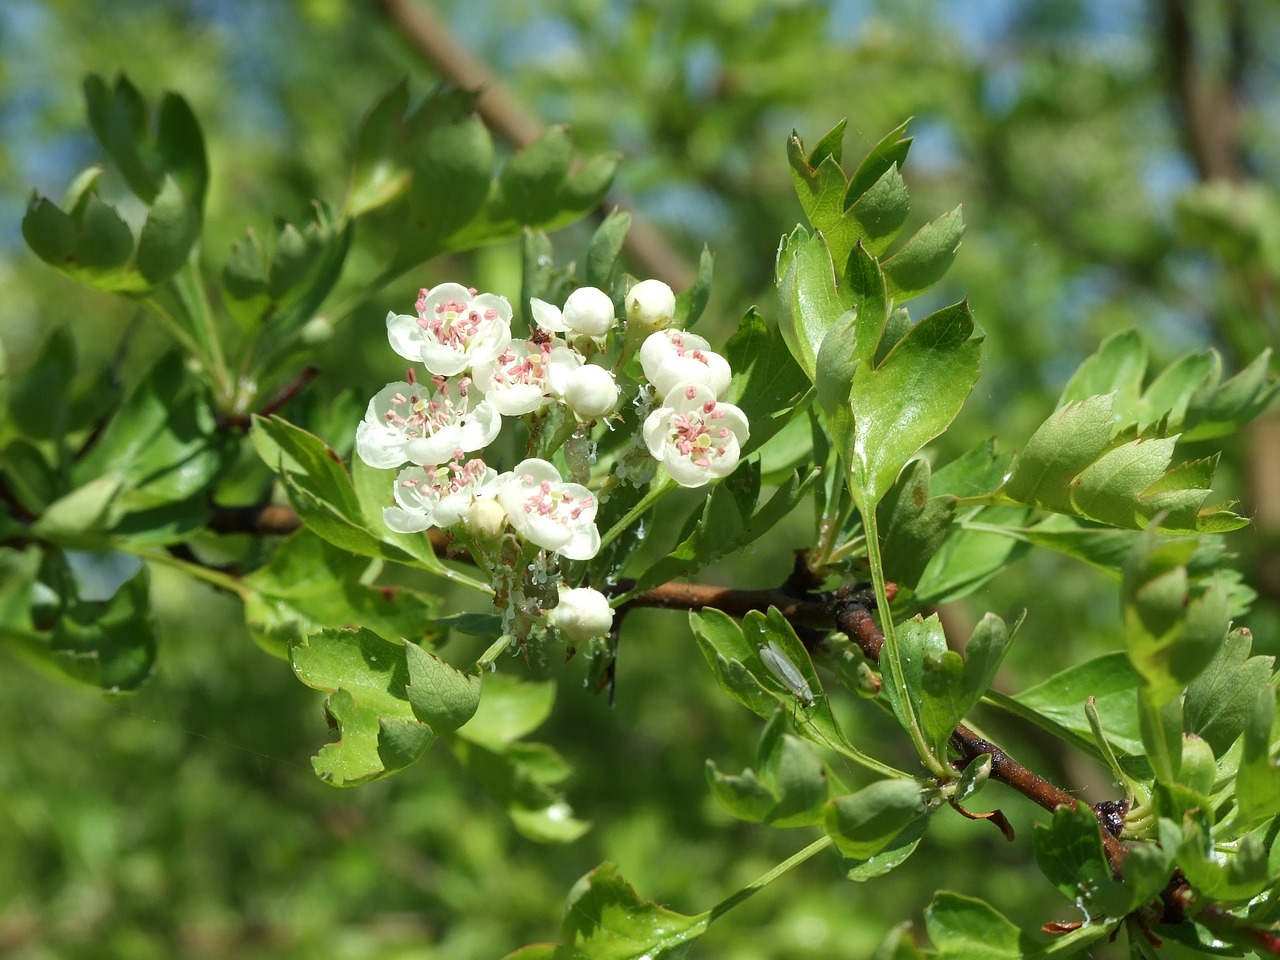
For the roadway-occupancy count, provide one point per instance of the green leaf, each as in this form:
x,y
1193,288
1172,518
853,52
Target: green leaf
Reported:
x,y
743,795
606,920
727,651
967,559
366,677
310,462
92,245
975,473
509,709
1116,369
162,442
37,411
718,532
244,281
308,583
1063,446
441,695
789,790
911,397
1219,409
945,685
810,303
373,489
325,521
924,258
1069,852
1171,632
81,516
1060,700
692,302
537,189
168,234
605,248
891,151
889,858
1219,701
963,928
768,385
119,120
1258,779
864,823
881,212
1110,487
450,153
180,150
108,644
379,174
521,777
912,525
1237,876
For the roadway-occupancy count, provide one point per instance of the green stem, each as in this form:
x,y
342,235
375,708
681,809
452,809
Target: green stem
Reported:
x,y
731,901
210,576
891,654
657,488
190,289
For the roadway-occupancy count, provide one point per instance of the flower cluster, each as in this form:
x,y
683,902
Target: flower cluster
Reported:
x,y
436,428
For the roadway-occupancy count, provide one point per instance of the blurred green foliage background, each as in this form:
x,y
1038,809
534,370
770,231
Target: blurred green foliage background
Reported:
x,y
1079,134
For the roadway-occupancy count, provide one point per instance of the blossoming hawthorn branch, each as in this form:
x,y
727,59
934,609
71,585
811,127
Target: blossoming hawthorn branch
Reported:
x,y
521,525
544,444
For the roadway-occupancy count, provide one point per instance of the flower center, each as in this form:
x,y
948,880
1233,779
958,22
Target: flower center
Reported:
x,y
694,437
545,499
418,416
455,323
445,480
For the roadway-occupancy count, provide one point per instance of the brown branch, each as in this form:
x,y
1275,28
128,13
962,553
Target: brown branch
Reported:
x,y
503,113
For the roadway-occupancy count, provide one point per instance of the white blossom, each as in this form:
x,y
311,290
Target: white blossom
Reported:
x,y
650,304
582,614
454,329
523,377
590,391
587,312
695,437
549,512
672,357
409,422
438,496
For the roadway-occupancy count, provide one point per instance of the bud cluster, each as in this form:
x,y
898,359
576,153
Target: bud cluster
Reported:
x,y
436,429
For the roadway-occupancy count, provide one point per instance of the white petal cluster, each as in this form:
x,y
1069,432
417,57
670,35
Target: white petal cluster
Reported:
x,y
543,509
590,391
588,312
454,329
672,357
582,614
438,496
697,438
569,375
412,423
651,304
524,376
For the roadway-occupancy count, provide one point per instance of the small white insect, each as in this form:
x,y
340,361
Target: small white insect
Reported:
x,y
788,673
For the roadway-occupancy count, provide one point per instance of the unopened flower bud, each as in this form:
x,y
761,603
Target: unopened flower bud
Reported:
x,y
486,520
583,613
588,311
590,392
651,305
